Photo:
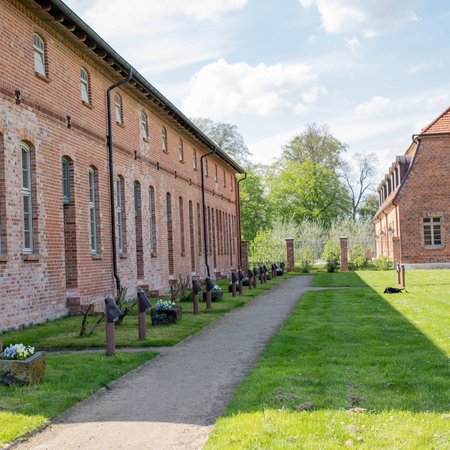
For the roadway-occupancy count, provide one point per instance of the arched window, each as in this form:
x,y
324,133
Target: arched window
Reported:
x,y
164,139
194,159
93,210
118,108
231,182
206,168
66,180
27,204
152,211
144,125
121,224
216,174
39,55
180,150
84,85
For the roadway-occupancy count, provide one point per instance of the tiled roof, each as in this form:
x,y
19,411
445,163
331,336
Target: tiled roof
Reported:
x,y
439,125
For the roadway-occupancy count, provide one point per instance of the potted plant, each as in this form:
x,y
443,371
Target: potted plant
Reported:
x,y
216,293
20,364
165,312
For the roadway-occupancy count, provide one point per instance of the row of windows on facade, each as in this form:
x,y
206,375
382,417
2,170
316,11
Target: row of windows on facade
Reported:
x,y
39,67
390,185
432,231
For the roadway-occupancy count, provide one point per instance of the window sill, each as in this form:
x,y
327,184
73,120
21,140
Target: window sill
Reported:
x,y
42,77
433,247
3,258
30,257
88,105
123,255
96,256
120,124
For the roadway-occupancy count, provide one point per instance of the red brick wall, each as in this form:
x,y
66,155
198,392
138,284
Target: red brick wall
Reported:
x,y
35,289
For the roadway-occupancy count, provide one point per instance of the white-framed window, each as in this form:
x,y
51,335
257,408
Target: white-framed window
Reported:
x,y
231,182
224,179
144,125
66,180
27,204
194,159
84,85
93,210
164,139
39,55
432,231
180,150
152,218
206,168
118,108
120,213
216,173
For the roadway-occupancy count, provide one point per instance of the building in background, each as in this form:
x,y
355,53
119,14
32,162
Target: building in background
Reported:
x,y
412,225
56,247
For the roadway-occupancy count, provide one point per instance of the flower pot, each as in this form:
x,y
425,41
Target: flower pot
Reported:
x,y
165,316
23,372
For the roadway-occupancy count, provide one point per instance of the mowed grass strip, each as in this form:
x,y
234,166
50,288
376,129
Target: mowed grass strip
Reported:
x,y
349,368
69,378
64,333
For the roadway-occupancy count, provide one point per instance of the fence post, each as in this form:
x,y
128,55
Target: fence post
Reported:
x,y
344,253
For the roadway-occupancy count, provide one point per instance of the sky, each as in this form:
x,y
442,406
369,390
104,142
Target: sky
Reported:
x,y
374,71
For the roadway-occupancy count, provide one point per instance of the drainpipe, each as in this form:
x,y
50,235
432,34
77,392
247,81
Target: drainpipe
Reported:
x,y
111,175
238,195
205,237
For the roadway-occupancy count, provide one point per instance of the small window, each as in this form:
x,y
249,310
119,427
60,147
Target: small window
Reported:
x,y
93,210
84,86
152,221
118,108
432,231
194,159
180,150
164,139
224,179
216,174
27,206
231,182
120,213
39,55
206,168
66,180
144,125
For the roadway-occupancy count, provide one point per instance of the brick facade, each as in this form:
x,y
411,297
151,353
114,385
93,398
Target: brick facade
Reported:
x,y
415,199
48,116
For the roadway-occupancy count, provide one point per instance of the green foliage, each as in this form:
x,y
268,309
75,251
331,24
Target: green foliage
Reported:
x,y
369,207
358,258
331,255
266,248
306,259
383,263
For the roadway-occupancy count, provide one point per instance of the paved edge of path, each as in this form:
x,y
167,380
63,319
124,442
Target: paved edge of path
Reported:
x,y
172,401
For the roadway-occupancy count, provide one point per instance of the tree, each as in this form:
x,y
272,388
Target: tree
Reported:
x,y
308,191
255,208
359,179
227,138
315,144
369,207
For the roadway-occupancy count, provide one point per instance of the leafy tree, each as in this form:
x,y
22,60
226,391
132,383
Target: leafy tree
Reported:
x,y
227,138
369,207
255,208
308,191
359,179
315,144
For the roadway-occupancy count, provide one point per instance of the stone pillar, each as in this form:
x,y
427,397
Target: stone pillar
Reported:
x,y
290,254
244,254
396,250
344,253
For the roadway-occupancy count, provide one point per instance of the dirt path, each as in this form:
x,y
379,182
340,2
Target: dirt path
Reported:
x,y
173,401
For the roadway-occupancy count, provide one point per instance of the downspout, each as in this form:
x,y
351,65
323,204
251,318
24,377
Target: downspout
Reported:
x,y
238,195
111,175
205,237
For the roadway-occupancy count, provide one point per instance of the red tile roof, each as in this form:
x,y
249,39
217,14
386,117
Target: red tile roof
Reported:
x,y
439,125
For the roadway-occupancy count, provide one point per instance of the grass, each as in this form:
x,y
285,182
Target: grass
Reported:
x,y
25,408
350,367
63,333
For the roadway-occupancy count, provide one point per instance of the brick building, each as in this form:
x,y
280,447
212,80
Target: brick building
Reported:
x,y
170,181
412,225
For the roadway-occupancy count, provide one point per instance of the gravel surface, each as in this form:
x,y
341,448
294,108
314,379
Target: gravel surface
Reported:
x,y
173,401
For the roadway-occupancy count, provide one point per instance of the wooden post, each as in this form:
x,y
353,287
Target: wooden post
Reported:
x,y
197,303
110,338
403,276
142,325
208,300
398,269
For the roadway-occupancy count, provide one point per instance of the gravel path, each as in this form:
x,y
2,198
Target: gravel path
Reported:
x,y
173,401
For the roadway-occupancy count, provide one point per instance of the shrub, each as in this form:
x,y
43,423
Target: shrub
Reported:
x,y
331,256
383,263
306,259
358,259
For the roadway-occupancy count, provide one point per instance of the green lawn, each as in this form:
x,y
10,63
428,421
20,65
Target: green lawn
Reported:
x,y
63,333
351,367
25,408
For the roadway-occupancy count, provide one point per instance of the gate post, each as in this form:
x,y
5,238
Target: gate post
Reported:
x,y
244,255
344,253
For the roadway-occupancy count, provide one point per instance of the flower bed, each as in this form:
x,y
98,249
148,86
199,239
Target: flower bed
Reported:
x,y
165,312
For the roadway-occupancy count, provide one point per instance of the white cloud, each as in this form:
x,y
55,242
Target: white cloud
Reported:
x,y
353,44
369,17
376,106
220,90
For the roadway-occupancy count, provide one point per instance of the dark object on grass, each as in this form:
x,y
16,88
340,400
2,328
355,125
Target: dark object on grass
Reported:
x,y
279,271
165,316
216,293
394,290
196,287
241,275
112,311
143,301
209,284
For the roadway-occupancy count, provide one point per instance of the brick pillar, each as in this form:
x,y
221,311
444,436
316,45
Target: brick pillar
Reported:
x,y
396,250
244,255
344,253
290,254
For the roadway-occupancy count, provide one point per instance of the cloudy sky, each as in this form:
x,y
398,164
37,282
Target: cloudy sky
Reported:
x,y
375,71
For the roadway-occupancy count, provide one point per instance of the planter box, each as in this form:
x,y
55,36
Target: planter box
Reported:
x,y
165,316
215,295
23,372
